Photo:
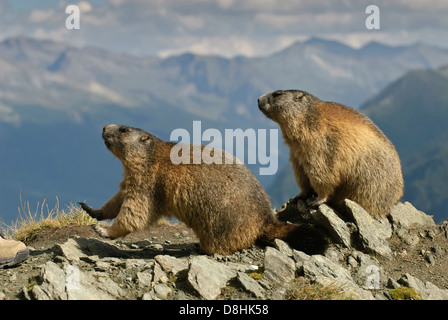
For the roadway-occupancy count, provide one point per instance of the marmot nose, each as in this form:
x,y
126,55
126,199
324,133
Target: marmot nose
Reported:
x,y
262,99
108,127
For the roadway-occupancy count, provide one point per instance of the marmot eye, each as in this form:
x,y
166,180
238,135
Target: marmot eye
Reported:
x,y
277,93
122,130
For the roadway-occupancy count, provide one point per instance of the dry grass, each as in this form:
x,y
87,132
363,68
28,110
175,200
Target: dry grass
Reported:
x,y
43,217
304,290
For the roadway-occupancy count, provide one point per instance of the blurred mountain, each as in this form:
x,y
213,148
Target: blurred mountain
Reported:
x,y
413,112
55,98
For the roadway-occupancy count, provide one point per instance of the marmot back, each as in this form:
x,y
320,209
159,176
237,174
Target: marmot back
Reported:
x,y
223,203
336,152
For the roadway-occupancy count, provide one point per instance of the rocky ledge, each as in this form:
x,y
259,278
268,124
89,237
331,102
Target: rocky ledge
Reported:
x,y
401,257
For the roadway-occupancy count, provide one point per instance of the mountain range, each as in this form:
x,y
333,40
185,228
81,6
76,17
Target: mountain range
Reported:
x,y
55,98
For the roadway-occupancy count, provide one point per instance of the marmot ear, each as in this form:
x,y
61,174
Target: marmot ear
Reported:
x,y
144,138
298,96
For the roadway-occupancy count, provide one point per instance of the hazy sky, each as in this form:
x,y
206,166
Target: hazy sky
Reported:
x,y
223,27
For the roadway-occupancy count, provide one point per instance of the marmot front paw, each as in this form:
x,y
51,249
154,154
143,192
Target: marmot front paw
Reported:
x,y
101,231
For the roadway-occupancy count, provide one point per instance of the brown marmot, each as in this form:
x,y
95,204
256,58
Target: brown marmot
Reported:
x,y
336,152
224,204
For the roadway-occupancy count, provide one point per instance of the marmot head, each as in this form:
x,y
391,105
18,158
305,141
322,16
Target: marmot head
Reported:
x,y
285,104
127,143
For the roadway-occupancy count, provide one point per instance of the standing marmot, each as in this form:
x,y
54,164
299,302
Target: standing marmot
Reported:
x,y
224,204
336,151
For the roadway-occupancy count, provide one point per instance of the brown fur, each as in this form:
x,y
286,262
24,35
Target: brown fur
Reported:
x,y
223,203
336,151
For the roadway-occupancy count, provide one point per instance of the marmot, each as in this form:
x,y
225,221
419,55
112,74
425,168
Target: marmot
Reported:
x,y
336,152
224,204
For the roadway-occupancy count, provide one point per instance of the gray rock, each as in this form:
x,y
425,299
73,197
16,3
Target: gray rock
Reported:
x,y
70,250
91,285
300,256
438,251
162,290
70,283
372,232
251,285
283,247
151,295
53,283
364,261
322,270
335,226
208,277
411,239
280,292
318,266
159,275
405,215
145,278
138,264
77,248
171,264
278,267
428,290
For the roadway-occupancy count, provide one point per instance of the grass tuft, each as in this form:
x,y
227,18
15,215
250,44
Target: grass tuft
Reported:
x,y
29,223
302,289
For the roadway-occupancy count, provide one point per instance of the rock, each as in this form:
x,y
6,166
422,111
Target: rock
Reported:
x,y
162,290
53,283
280,292
364,262
171,264
77,248
91,286
278,267
151,295
430,258
335,226
283,247
159,274
322,270
208,277
372,232
144,278
70,283
405,215
318,266
411,239
250,285
438,251
69,250
138,264
300,256
428,290
156,247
